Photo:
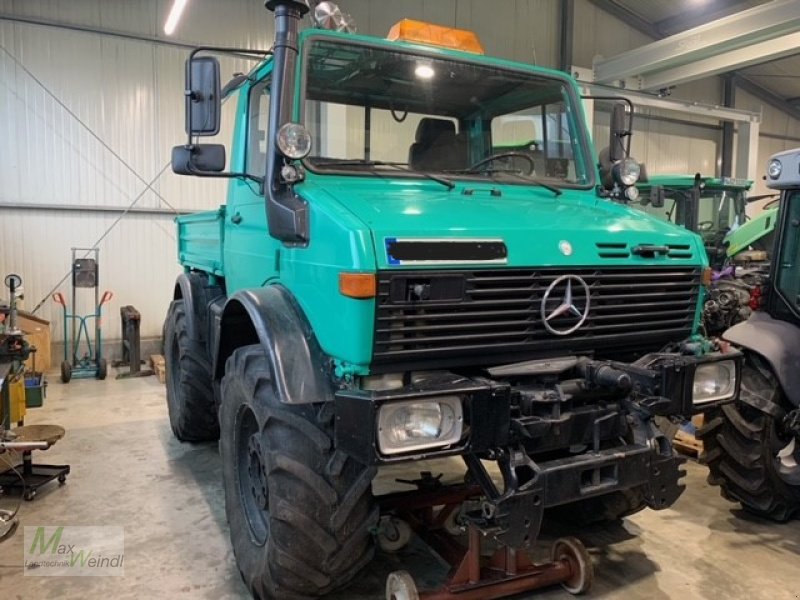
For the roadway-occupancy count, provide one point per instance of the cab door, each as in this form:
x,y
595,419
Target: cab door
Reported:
x,y
250,252
785,300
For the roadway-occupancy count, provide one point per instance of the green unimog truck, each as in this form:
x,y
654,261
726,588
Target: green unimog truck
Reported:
x,y
382,286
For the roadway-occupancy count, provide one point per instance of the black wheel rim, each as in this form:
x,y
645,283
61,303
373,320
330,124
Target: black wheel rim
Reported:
x,y
252,475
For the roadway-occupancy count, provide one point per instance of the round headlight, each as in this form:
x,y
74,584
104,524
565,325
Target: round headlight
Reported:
x,y
774,168
628,171
294,141
632,193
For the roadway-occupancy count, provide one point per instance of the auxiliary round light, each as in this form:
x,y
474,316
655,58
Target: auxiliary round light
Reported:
x,y
632,193
628,171
774,168
294,141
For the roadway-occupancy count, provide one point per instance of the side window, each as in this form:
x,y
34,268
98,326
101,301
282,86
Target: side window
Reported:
x,y
257,123
788,275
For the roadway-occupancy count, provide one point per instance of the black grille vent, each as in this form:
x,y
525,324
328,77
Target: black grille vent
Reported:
x,y
683,251
612,250
498,315
620,250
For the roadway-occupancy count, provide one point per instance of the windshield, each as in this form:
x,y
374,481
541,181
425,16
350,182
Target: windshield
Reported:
x,y
366,105
718,211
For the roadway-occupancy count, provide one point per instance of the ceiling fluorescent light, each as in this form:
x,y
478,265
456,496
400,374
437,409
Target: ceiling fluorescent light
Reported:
x,y
174,16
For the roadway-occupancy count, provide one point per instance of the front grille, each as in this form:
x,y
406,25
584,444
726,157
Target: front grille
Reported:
x,y
494,315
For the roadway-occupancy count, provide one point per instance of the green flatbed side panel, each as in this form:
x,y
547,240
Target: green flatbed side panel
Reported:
x,y
752,231
200,240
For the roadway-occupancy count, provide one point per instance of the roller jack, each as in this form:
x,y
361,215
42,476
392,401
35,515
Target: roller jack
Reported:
x,y
507,572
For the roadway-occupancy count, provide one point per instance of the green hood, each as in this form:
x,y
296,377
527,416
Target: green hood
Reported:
x,y
532,222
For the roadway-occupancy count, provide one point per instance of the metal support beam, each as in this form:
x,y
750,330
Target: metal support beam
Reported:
x,y
567,22
738,32
693,109
95,208
726,151
748,122
724,62
746,151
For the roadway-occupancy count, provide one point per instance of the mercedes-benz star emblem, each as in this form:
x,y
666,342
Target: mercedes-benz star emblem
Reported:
x,y
568,306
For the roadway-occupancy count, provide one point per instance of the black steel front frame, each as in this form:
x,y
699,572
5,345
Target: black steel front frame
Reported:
x,y
622,449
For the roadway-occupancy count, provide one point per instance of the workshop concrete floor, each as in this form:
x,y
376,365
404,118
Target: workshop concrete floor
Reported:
x,y
127,470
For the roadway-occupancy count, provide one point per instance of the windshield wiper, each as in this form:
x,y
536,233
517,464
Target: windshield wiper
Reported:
x,y
382,163
551,188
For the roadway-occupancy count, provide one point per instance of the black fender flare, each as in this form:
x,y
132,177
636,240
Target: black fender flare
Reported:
x,y
778,342
271,316
194,289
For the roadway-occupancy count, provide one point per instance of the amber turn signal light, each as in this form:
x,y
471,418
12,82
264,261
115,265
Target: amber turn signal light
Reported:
x,y
707,272
357,285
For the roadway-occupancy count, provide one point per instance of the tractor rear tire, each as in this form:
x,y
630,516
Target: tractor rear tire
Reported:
x,y
300,511
741,446
190,399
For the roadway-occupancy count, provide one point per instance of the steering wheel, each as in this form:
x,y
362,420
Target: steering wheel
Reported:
x,y
705,225
500,155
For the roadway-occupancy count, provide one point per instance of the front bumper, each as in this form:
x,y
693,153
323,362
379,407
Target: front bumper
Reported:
x,y
554,439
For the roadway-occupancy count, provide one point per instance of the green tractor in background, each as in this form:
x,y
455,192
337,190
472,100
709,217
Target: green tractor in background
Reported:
x,y
738,247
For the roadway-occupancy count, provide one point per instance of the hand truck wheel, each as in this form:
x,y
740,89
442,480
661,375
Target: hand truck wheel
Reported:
x,y
66,371
400,586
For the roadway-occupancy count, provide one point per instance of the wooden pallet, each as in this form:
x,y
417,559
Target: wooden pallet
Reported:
x,y
159,367
686,443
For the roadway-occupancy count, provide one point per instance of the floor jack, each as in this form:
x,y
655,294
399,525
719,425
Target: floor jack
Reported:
x,y
14,351
430,512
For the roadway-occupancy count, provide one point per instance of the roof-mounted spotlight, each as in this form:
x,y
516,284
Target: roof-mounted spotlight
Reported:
x,y
328,15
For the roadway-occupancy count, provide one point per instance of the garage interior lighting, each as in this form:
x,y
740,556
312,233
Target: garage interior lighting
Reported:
x,y
174,16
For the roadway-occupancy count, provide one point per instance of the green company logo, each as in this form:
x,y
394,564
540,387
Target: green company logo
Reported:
x,y
74,550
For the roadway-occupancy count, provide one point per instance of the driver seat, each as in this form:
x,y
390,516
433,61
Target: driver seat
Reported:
x,y
437,147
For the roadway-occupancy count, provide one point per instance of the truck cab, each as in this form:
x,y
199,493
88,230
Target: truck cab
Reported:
x,y
418,258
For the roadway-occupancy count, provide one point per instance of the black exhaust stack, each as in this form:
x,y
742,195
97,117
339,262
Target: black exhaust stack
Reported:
x,y
287,213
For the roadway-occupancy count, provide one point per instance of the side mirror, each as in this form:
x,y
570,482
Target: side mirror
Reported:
x,y
203,96
657,196
198,159
617,132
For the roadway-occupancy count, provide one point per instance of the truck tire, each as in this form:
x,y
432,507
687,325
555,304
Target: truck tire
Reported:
x,y
300,512
741,447
600,509
190,398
